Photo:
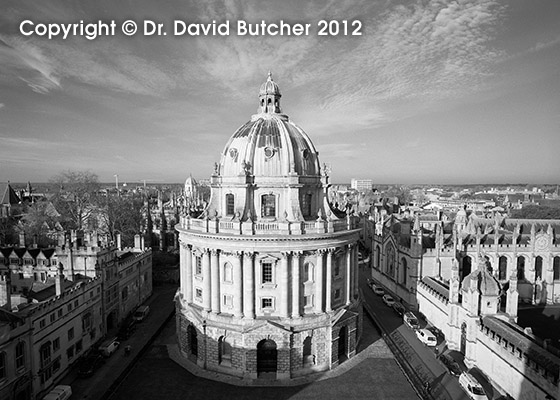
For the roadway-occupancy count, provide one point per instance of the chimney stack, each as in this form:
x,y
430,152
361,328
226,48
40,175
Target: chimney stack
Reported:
x,y
6,290
137,242
119,241
22,239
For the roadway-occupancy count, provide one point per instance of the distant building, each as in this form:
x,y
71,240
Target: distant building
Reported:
x,y
361,184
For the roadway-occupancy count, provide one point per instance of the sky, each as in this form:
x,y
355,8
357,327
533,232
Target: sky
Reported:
x,y
432,91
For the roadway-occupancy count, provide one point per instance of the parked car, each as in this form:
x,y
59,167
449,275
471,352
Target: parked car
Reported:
x,y
141,313
388,300
59,392
451,365
426,337
109,347
127,330
399,308
473,388
410,320
89,364
437,333
378,290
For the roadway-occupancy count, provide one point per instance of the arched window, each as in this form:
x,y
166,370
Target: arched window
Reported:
x,y
230,204
520,268
538,267
306,204
391,261
466,267
224,351
404,270
20,355
502,268
308,359
268,205
556,268
228,272
309,272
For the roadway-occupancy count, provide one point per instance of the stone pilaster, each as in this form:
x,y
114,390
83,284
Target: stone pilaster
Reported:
x,y
328,284
349,276
249,285
319,282
215,281
284,285
295,284
207,290
187,286
237,286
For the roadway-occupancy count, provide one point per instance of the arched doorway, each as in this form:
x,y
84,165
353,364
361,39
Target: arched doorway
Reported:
x,y
267,358
463,338
342,344
308,359
193,340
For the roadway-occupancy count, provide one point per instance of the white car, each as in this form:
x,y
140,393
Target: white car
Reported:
x,y
472,387
378,290
426,337
388,300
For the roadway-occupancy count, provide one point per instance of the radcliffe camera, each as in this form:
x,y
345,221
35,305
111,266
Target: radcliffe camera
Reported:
x,y
295,200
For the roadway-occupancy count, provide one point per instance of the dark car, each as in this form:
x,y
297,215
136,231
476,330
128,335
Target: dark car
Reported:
x,y
90,364
451,365
399,309
126,330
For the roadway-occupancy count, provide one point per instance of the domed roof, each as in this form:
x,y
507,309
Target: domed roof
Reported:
x,y
270,87
270,144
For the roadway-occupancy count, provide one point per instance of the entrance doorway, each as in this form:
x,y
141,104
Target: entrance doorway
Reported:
x,y
343,344
267,359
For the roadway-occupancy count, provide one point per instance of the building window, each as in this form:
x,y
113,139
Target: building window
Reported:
x,y
266,303
308,270
228,300
2,365
268,205
337,294
70,333
59,312
124,293
520,268
502,268
266,272
306,205
78,346
42,323
198,268
56,364
52,317
228,272
230,204
45,354
199,293
70,352
20,355
308,300
404,271
556,268
538,268
56,344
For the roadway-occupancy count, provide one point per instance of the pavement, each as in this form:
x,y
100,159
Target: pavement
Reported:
x,y
109,375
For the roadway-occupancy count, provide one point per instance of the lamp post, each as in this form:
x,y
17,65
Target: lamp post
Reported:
x,y
205,343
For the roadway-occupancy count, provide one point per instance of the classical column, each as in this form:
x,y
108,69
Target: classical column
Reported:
x,y
328,278
187,285
284,297
349,275
356,273
206,291
248,285
237,286
295,284
319,282
215,281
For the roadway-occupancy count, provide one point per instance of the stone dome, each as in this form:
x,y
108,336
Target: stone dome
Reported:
x,y
270,144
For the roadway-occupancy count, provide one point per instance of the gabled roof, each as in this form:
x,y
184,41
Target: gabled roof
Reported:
x,y
7,195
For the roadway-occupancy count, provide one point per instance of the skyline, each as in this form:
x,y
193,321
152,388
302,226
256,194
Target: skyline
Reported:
x,y
470,88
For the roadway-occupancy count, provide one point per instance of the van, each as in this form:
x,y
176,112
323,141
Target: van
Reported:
x,y
60,392
426,337
410,320
109,347
472,387
141,313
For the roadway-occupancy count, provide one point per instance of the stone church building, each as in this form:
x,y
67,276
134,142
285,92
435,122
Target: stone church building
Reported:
x,y
269,271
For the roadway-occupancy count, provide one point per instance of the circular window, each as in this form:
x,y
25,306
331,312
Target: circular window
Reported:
x,y
268,152
305,153
233,152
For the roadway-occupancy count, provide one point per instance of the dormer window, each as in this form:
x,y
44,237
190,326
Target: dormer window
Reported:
x,y
268,205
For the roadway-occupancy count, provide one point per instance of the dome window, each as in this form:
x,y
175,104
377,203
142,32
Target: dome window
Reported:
x,y
268,205
233,152
305,153
269,152
230,204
